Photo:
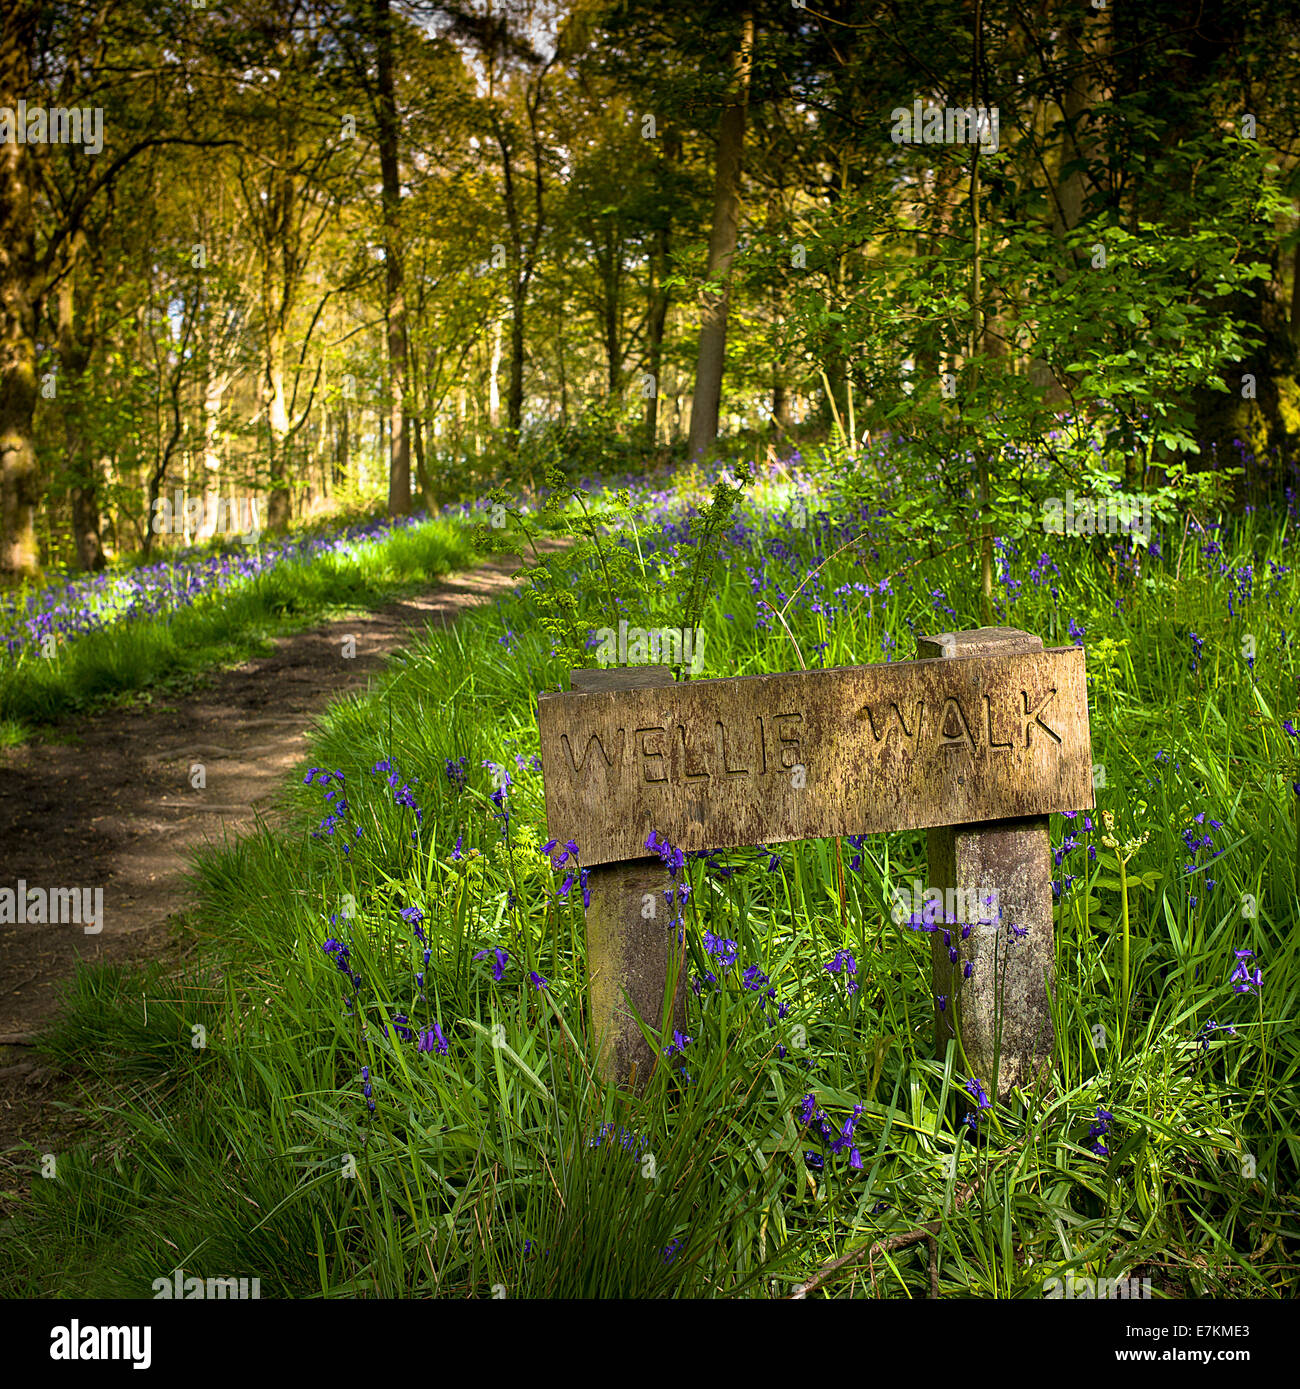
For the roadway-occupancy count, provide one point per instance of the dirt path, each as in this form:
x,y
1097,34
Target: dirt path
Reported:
x,y
113,807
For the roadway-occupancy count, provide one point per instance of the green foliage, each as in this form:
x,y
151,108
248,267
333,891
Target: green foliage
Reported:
x,y
602,573
491,1167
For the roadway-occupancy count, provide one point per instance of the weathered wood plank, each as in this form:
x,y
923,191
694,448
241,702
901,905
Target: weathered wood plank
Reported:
x,y
712,764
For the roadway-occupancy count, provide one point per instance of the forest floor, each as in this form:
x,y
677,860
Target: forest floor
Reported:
x,y
108,802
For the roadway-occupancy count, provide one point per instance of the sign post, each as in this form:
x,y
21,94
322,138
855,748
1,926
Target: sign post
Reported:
x,y
628,940
988,734
1003,1008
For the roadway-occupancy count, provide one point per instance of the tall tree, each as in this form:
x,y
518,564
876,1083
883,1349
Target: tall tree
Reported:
x,y
19,304
707,399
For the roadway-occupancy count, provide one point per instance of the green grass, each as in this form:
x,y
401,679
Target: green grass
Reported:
x,y
479,1172
170,652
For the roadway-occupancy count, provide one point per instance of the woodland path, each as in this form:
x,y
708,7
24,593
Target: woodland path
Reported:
x,y
107,801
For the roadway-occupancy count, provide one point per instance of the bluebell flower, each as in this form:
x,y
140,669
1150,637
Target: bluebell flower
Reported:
x,y
500,959
1099,1130
976,1091
724,949
1242,980
1205,1034
845,964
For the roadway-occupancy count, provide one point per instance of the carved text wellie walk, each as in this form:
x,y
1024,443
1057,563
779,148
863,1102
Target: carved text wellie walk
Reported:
x,y
769,758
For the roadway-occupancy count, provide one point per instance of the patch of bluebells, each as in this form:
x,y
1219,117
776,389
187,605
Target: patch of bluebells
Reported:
x,y
499,797
1206,1034
1164,759
340,954
1197,644
754,979
1006,550
1038,574
401,1026
844,964
1099,1131
1243,981
570,851
403,796
976,1091
723,949
834,1140
456,772
500,959
1062,885
673,859
336,816
414,916
77,607
1200,845
634,1144
775,1015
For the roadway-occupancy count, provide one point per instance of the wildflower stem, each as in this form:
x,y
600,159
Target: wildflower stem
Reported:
x,y
1123,894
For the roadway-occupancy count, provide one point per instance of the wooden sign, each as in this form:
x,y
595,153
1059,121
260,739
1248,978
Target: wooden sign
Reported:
x,y
763,759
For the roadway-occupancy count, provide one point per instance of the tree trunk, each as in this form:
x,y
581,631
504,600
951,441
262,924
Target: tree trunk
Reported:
x,y
707,398
613,274
494,392
421,467
75,350
341,445
780,406
515,400
399,457
19,309
214,389
657,318
279,506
